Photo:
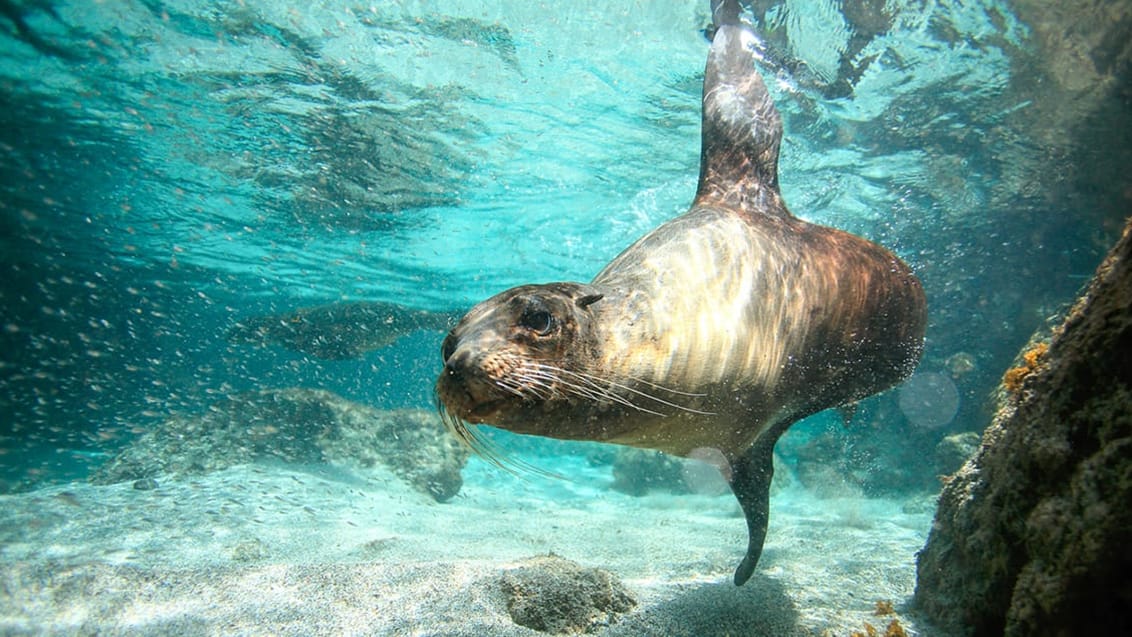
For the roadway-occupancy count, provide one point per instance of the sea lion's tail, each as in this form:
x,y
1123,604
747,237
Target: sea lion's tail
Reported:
x,y
741,127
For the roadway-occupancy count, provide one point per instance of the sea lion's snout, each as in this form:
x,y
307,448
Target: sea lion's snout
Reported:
x,y
464,387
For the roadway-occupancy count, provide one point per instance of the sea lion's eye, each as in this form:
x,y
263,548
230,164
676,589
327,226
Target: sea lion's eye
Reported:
x,y
447,348
538,321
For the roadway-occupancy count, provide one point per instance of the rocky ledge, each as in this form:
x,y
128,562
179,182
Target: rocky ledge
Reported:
x,y
297,426
1033,535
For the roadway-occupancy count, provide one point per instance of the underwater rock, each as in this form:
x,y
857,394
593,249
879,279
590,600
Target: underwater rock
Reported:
x,y
338,331
300,426
554,595
250,550
145,484
1034,534
954,450
838,462
960,364
411,442
638,471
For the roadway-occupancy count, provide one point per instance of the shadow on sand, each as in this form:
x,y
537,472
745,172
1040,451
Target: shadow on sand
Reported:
x,y
760,607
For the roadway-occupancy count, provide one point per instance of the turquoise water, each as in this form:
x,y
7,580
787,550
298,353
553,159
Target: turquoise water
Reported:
x,y
170,168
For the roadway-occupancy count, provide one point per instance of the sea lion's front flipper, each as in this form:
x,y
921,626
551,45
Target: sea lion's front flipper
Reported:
x,y
742,129
750,481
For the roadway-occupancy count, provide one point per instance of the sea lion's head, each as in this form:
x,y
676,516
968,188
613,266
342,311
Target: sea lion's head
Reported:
x,y
512,360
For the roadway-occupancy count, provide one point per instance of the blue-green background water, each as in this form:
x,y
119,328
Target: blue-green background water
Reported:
x,y
168,168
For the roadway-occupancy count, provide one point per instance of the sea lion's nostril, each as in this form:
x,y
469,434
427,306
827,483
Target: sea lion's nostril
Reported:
x,y
452,373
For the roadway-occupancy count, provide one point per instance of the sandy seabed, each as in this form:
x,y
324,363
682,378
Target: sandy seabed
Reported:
x,y
319,550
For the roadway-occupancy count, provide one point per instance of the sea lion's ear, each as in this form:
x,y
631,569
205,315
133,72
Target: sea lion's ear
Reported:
x,y
588,300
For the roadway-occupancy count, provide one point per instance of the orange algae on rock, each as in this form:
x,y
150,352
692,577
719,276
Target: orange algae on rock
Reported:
x,y
1012,379
1034,353
894,629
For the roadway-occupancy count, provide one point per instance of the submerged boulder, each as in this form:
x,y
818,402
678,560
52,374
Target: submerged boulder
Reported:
x,y
554,595
1033,535
954,450
638,471
339,331
299,426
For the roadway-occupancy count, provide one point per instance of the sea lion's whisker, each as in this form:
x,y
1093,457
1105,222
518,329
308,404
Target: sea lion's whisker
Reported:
x,y
685,408
596,390
507,385
523,388
589,389
539,384
558,381
643,382
603,384
486,448
534,379
606,394
667,389
552,381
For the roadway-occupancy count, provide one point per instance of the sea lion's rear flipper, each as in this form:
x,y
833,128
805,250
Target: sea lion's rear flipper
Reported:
x,y
741,128
750,481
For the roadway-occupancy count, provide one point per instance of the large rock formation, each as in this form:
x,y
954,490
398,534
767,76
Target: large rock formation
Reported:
x,y
300,426
1033,535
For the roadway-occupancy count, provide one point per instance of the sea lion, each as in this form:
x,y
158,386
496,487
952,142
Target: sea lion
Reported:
x,y
338,331
717,330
